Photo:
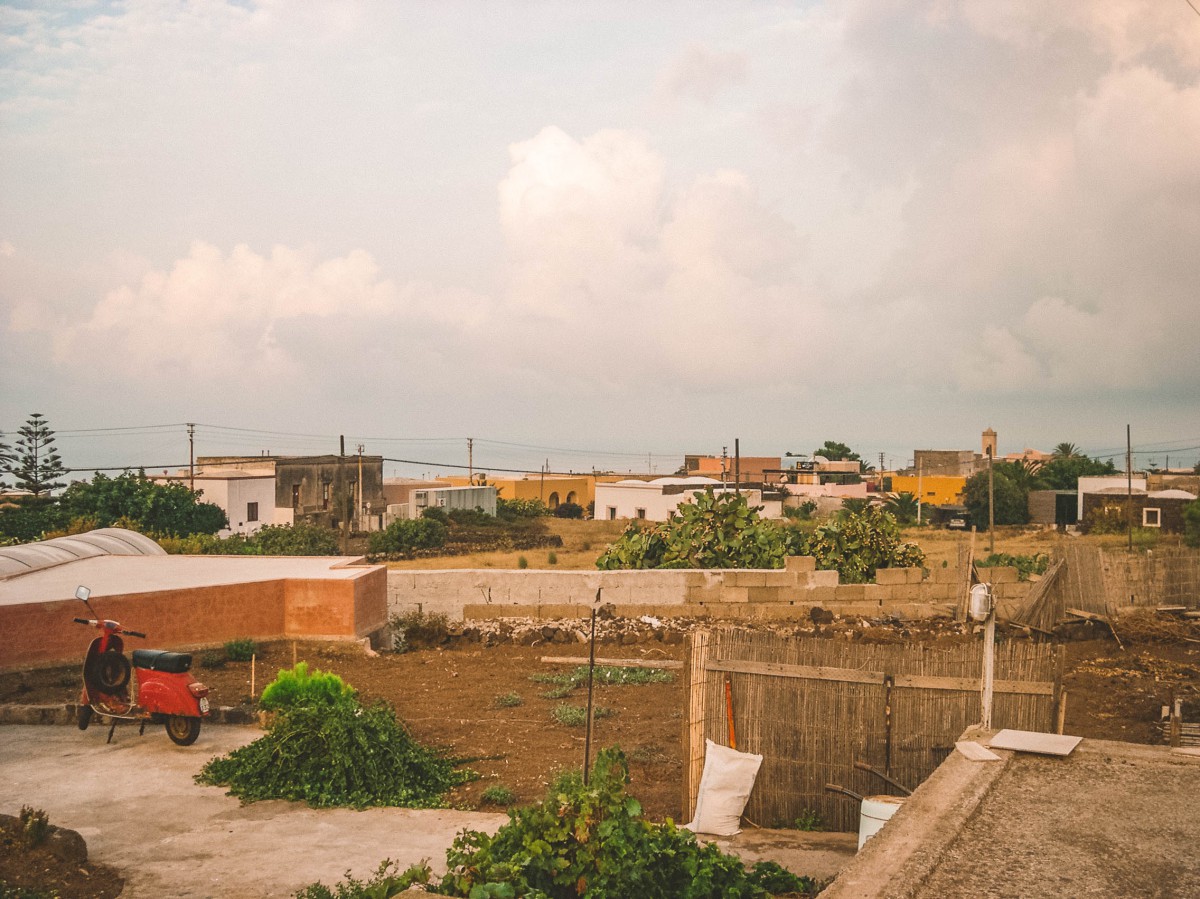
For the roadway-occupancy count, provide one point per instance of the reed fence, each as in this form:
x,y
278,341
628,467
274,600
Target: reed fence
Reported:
x,y
812,707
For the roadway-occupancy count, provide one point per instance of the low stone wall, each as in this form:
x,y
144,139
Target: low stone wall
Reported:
x,y
728,593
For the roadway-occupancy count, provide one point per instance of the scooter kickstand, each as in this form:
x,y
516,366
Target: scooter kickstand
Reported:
x,y
110,731
142,729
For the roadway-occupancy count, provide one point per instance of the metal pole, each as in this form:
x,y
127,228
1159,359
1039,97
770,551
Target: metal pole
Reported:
x,y
1129,485
587,739
989,661
920,489
737,465
191,457
991,506
470,460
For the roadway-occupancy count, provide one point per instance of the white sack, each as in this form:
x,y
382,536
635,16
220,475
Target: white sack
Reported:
x,y
724,789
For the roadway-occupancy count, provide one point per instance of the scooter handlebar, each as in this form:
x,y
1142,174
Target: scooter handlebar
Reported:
x,y
134,634
81,621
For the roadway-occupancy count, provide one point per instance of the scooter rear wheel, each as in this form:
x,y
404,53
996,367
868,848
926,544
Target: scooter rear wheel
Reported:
x,y
183,729
109,670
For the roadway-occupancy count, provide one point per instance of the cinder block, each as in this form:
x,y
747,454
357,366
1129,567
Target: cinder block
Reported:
x,y
944,575
563,610
914,575
911,593
876,592
706,593
735,594
819,596
764,594
799,564
1001,574
820,579
778,612
851,592
890,576
779,578
745,578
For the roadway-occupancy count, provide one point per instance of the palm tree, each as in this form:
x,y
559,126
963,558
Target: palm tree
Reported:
x,y
1066,451
903,507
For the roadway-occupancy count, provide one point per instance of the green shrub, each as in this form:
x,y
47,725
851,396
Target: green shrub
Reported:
x,y
1025,564
513,509
552,559
405,535
498,795
436,513
388,881
1191,521
213,660
592,841
855,543
241,650
297,687
473,518
508,700
522,562
607,675
568,510
417,629
336,754
576,715
810,820
35,826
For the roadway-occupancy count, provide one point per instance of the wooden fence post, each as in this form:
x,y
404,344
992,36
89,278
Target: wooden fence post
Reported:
x,y
693,720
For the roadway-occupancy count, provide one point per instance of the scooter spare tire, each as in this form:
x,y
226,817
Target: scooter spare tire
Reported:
x,y
183,729
84,716
108,670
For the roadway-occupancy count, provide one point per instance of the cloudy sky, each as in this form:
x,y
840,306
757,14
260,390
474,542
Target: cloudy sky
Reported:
x,y
622,229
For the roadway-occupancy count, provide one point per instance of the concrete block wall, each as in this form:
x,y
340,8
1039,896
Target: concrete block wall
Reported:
x,y
789,592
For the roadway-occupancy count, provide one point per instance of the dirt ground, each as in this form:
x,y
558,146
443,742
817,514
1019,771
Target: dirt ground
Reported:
x,y
57,865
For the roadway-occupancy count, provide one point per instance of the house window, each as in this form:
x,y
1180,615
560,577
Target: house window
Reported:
x,y
1152,518
641,513
295,496
252,511
325,495
553,504
612,513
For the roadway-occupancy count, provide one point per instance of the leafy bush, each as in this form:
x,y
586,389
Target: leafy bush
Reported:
x,y
855,544
508,700
802,512
552,558
576,715
512,509
810,820
713,531
1191,521
418,629
592,841
1025,565
240,650
436,513
213,660
300,539
408,534
388,881
35,826
297,687
498,795
568,510
473,518
522,562
336,754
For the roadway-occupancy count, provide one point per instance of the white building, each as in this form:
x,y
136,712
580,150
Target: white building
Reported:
x,y
246,497
656,500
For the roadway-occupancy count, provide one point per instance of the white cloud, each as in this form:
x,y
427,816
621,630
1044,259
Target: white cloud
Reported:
x,y
700,73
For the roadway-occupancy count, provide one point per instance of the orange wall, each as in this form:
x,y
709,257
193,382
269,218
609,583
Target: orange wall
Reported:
x,y
43,633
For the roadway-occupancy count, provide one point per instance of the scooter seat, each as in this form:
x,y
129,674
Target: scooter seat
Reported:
x,y
161,660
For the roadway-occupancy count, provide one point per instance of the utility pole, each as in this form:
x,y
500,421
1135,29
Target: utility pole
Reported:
x,y
344,501
920,490
991,506
191,428
737,464
470,460
361,494
1129,485
724,463
881,473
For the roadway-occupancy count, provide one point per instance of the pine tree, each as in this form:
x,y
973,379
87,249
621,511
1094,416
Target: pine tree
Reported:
x,y
6,459
36,463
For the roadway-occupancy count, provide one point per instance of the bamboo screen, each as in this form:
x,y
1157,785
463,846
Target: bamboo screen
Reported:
x,y
811,729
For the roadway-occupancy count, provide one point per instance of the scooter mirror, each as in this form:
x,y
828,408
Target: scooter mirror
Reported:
x,y
82,592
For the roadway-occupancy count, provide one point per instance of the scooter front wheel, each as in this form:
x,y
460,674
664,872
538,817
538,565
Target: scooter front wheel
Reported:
x,y
183,729
84,716
109,670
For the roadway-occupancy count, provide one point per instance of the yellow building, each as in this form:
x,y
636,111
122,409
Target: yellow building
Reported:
x,y
551,489
938,489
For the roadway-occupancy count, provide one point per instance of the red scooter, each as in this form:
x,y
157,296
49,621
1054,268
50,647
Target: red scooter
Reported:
x,y
162,690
